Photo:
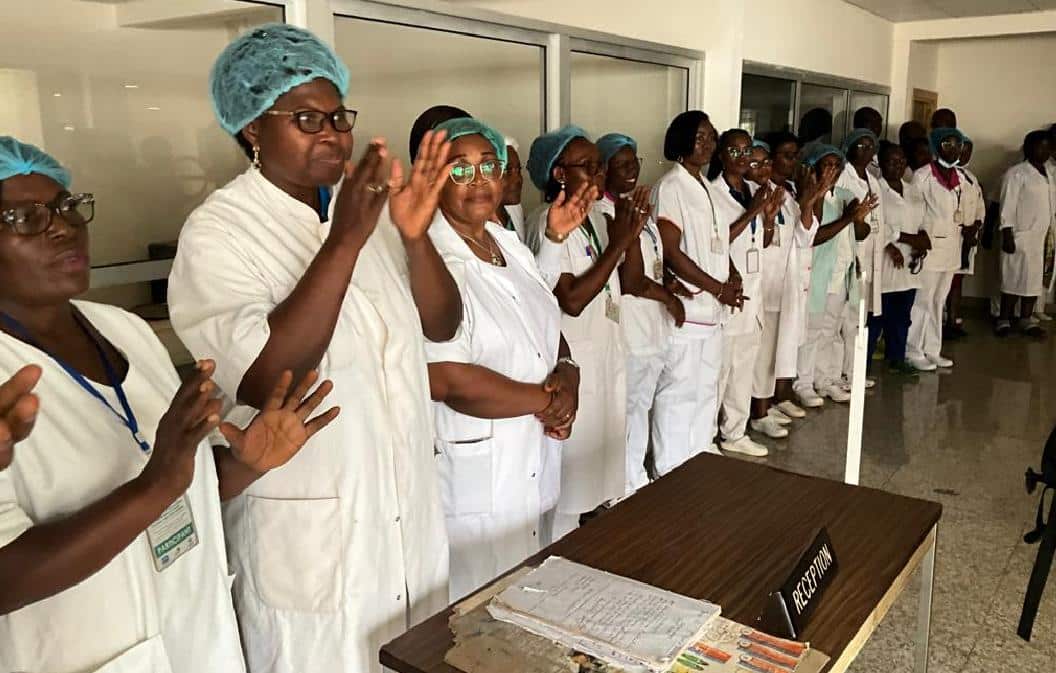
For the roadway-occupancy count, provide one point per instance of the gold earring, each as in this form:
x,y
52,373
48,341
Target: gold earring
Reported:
x,y
256,157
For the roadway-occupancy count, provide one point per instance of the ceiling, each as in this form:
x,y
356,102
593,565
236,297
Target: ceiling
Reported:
x,y
920,10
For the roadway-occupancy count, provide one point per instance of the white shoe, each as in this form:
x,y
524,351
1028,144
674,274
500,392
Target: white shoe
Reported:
x,y
835,393
940,361
922,364
769,427
810,399
1044,317
746,446
870,383
778,417
789,408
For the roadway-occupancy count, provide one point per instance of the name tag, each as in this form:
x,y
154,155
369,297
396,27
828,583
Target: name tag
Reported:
x,y
716,246
751,262
658,270
173,534
612,309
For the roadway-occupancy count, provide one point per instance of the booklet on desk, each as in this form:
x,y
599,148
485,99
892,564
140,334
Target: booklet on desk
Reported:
x,y
626,623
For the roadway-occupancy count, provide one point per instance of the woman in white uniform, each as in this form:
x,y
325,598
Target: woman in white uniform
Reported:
x,y
941,187
696,244
511,212
906,242
1028,199
18,410
974,204
834,281
798,208
504,383
344,548
648,310
110,511
580,266
750,212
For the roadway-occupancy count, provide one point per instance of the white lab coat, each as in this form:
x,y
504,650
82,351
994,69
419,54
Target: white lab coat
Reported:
x,y
942,207
593,468
903,214
516,213
870,251
788,292
1027,202
497,476
343,548
127,617
646,329
974,205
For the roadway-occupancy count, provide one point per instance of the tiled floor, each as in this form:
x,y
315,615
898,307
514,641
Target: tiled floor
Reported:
x,y
964,438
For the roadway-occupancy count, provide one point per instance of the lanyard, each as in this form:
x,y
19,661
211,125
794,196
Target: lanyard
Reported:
x,y
593,246
128,419
714,218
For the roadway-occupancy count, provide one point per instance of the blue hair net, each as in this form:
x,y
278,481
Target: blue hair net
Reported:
x,y
856,135
611,143
18,158
467,126
819,151
257,68
938,135
546,149
761,143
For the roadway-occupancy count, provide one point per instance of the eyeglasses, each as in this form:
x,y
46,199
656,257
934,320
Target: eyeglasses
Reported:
x,y
864,144
950,143
311,121
736,153
590,167
760,163
77,209
512,169
463,172
625,165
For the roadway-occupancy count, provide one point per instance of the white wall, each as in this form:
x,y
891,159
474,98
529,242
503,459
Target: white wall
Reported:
x,y
923,66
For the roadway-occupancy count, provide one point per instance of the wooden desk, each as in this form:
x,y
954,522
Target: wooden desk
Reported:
x,y
730,531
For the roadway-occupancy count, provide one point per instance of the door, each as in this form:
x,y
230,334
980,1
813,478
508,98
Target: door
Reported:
x,y
924,104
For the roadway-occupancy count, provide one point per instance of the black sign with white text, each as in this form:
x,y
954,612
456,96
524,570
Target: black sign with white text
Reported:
x,y
790,608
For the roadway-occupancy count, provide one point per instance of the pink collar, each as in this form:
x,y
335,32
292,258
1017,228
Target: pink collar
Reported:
x,y
955,177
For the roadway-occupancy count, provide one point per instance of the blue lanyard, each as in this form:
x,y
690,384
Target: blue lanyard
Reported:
x,y
129,417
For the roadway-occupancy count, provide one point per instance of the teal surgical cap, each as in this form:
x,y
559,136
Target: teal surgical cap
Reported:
x,y
18,158
819,151
254,70
467,126
545,151
857,134
938,135
763,144
611,143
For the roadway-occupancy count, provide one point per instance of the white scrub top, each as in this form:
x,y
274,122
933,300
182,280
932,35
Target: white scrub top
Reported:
x,y
343,548
974,205
1028,199
497,476
870,251
128,617
516,213
942,207
903,214
690,205
646,322
728,209
592,464
789,294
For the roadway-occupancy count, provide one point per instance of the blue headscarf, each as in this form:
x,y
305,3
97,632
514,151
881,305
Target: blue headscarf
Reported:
x,y
611,143
546,149
467,126
854,136
819,151
938,135
761,143
18,158
257,68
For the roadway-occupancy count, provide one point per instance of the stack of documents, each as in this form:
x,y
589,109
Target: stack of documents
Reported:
x,y
620,621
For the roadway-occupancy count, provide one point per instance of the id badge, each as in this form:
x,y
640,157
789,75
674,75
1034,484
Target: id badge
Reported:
x,y
752,261
716,246
874,226
658,270
173,534
612,309
958,216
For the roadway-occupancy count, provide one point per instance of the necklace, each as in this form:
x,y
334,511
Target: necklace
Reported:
x,y
496,259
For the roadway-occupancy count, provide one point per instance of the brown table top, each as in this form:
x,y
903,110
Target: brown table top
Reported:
x,y
730,531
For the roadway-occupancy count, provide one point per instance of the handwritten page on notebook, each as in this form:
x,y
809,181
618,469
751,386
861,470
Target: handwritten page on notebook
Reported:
x,y
619,620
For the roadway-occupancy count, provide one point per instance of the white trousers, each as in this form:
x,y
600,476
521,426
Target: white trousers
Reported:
x,y
766,361
735,382
686,399
830,338
925,332
643,378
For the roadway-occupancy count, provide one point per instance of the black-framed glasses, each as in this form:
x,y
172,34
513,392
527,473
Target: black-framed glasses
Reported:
x,y
738,153
591,168
463,172
760,163
311,121
36,218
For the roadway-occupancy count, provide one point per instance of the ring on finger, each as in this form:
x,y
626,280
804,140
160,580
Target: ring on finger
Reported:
x,y
377,188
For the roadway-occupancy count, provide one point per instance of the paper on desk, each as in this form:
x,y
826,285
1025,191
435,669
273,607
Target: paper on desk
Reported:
x,y
624,622
729,647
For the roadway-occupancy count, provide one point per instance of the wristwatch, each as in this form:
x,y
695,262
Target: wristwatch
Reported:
x,y
568,361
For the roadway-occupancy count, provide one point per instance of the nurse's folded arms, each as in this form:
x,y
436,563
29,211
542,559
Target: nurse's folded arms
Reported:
x,y
18,410
110,510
